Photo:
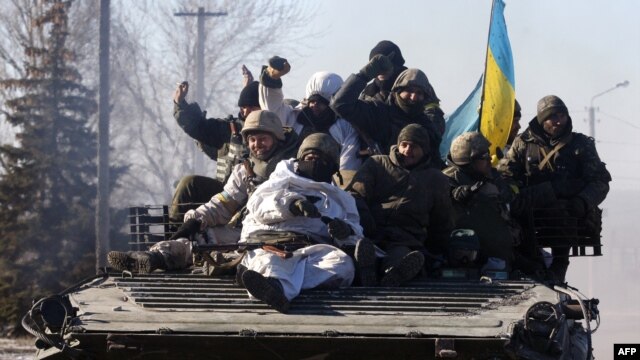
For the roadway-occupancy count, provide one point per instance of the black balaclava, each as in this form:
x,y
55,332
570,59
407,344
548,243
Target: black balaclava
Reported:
x,y
328,151
320,170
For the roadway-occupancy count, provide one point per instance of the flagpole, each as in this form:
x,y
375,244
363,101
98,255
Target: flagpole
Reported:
x,y
486,59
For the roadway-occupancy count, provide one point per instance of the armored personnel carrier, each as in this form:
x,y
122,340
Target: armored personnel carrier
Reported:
x,y
183,315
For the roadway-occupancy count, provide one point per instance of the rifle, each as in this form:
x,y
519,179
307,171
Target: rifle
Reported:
x,y
283,246
280,243
372,146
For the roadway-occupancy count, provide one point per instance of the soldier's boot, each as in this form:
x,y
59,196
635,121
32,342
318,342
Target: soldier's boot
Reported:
x,y
365,261
266,289
239,272
410,266
142,262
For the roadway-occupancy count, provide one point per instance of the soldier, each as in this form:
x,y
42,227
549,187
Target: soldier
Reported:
x,y
549,151
483,202
404,206
380,88
218,138
314,115
268,143
297,201
515,125
380,123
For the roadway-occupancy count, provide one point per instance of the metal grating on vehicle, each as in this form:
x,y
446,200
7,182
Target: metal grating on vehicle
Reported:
x,y
188,292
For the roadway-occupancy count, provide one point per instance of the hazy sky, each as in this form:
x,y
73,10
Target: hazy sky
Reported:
x,y
573,49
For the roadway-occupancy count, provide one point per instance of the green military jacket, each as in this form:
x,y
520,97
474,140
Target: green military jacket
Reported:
x,y
402,206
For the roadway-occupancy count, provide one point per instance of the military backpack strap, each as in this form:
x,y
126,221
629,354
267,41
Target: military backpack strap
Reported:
x,y
549,155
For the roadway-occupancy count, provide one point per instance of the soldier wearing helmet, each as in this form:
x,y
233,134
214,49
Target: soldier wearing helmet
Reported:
x,y
404,206
549,152
218,138
268,143
299,199
486,204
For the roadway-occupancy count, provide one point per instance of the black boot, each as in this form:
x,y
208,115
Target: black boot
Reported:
x,y
365,261
410,266
266,289
142,262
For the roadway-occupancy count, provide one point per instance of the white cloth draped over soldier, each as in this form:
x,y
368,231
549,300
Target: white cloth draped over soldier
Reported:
x,y
299,198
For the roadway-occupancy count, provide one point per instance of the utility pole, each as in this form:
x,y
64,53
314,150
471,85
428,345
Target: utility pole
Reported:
x,y
592,133
592,110
103,244
198,159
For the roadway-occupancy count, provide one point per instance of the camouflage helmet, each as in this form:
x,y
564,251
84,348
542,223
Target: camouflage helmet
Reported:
x,y
468,147
549,105
263,121
322,143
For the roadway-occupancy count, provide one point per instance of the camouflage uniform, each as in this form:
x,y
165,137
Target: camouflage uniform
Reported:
x,y
575,170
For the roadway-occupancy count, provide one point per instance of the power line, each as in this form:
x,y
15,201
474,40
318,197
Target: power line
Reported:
x,y
616,143
621,120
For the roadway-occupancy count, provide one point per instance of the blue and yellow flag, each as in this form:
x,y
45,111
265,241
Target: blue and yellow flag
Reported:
x,y
498,91
489,107
464,119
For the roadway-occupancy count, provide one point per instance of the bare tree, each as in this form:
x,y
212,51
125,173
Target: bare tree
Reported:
x,y
156,49
151,50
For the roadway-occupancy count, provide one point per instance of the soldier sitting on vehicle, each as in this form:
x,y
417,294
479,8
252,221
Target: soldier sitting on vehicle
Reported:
x,y
299,201
548,151
218,138
404,206
314,115
484,203
268,143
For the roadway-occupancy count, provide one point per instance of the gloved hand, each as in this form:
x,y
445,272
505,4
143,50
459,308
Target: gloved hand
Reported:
x,y
464,193
339,229
304,207
188,228
278,67
378,65
565,188
577,207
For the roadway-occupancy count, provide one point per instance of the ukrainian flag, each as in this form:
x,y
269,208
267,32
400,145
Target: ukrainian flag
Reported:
x,y
489,107
498,92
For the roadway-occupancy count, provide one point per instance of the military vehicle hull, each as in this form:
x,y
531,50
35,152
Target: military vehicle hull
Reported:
x,y
182,315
